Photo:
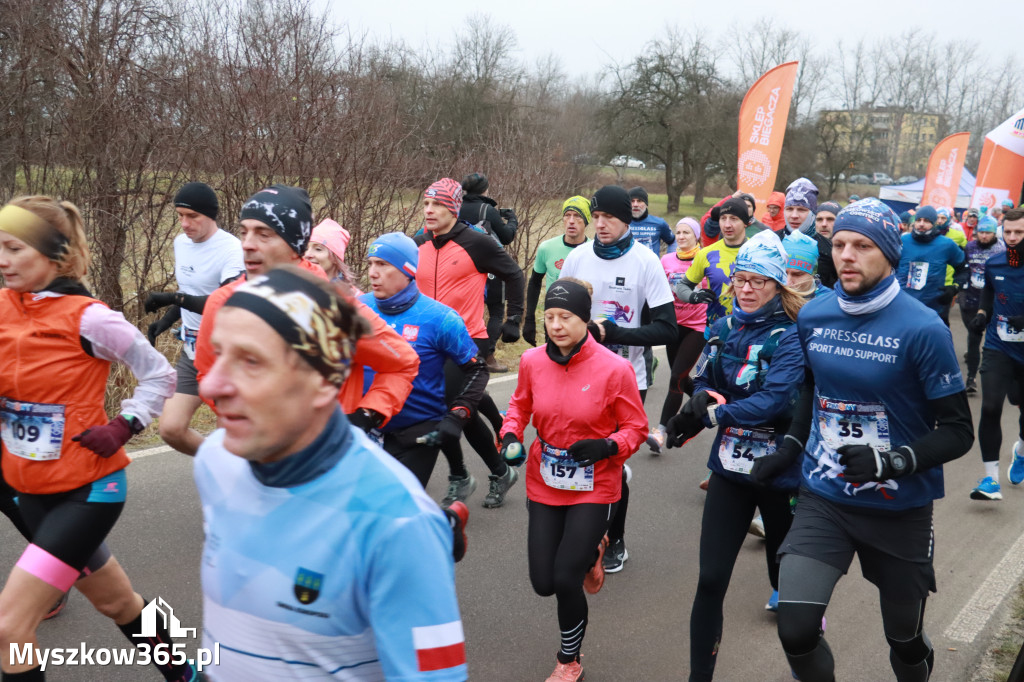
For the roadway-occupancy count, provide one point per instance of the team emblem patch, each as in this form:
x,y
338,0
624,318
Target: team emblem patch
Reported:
x,y
307,585
410,332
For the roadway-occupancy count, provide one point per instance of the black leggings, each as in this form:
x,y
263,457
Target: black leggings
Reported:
x,y
998,374
562,544
974,340
494,298
617,528
417,457
10,508
728,509
806,590
478,435
682,356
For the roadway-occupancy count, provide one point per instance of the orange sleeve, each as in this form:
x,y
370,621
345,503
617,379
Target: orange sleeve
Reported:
x,y
204,351
394,362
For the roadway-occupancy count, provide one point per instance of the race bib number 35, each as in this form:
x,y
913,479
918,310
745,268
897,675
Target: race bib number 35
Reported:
x,y
32,430
739,447
852,423
559,470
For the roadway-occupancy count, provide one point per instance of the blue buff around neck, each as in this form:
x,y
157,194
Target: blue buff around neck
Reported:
x,y
878,289
401,301
760,315
615,249
312,461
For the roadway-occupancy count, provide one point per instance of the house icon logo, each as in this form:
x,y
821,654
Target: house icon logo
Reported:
x,y
158,608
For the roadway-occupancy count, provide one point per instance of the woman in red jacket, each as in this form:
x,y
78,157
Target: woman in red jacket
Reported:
x,y
586,407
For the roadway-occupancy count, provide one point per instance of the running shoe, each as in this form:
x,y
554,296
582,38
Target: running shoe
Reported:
x,y
972,386
459,489
773,602
499,486
615,556
1016,470
594,580
707,479
756,527
458,516
567,672
987,490
656,440
58,607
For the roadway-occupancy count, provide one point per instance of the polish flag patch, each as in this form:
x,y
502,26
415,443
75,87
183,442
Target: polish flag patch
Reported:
x,y
439,646
410,332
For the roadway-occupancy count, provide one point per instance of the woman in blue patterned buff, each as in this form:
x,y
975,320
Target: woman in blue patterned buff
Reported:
x,y
747,380
802,257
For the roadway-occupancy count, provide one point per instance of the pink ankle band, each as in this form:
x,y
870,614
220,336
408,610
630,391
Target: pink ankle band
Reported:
x,y
48,568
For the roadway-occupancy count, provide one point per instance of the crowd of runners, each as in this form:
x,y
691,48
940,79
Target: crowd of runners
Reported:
x,y
814,342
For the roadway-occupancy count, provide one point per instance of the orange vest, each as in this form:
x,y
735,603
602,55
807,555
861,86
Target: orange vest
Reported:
x,y
49,386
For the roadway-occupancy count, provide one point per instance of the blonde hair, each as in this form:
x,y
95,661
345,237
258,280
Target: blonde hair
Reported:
x,y
66,219
582,282
792,300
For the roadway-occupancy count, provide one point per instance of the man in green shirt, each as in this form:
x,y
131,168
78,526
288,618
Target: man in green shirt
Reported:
x,y
550,256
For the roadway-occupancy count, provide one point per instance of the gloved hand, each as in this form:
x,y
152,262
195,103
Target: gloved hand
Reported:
x,y
510,330
159,299
948,294
507,214
682,428
106,440
449,429
365,419
158,328
1016,321
698,296
512,451
596,330
591,450
530,332
768,467
978,323
864,463
697,405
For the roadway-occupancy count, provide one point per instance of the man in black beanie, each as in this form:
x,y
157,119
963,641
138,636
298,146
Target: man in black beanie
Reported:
x,y
501,225
625,278
649,230
205,258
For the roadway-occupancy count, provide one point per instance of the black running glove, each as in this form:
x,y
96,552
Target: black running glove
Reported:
x,y
159,299
948,294
592,450
510,330
698,296
1017,321
864,463
530,332
367,420
768,467
682,428
512,451
160,326
697,405
978,323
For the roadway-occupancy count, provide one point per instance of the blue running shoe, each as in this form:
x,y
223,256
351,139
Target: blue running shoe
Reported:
x,y
1016,471
987,490
773,602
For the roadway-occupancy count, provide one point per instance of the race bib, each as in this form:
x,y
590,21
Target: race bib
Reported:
x,y
188,337
32,430
852,423
739,447
619,349
917,275
1007,332
977,279
559,470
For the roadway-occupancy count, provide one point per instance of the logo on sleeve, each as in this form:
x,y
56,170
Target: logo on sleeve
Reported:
x,y
307,585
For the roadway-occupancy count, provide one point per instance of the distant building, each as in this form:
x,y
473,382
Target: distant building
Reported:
x,y
893,140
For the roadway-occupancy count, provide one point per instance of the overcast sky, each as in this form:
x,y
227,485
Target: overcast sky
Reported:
x,y
588,35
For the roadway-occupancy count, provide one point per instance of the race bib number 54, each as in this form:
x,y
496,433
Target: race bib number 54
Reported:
x,y
32,430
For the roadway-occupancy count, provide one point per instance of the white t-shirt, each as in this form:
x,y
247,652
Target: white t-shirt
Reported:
x,y
200,268
621,287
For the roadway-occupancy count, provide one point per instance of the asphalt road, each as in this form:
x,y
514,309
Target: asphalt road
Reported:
x,y
639,623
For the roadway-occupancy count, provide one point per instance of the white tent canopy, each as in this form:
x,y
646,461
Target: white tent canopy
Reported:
x,y
911,192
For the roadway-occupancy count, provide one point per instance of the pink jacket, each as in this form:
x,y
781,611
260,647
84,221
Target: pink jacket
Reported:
x,y
694,316
594,396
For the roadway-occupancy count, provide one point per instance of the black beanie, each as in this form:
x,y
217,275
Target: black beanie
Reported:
x,y
613,200
639,193
475,183
286,210
569,296
737,207
198,197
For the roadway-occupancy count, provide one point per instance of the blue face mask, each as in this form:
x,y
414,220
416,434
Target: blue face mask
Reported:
x,y
615,249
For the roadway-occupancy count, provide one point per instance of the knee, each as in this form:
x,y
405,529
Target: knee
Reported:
x,y
712,584
912,651
15,629
121,607
172,428
544,585
799,628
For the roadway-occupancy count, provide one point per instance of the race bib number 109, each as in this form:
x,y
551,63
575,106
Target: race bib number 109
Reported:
x,y
32,430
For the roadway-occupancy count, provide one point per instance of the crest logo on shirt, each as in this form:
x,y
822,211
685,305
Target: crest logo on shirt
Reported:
x,y
410,332
620,281
307,585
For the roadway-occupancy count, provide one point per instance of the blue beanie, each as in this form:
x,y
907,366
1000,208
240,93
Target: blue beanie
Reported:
x,y
876,221
802,251
927,213
802,192
986,224
762,254
399,250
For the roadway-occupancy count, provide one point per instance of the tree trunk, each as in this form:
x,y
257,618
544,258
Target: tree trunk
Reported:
x,y
108,235
671,190
700,179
